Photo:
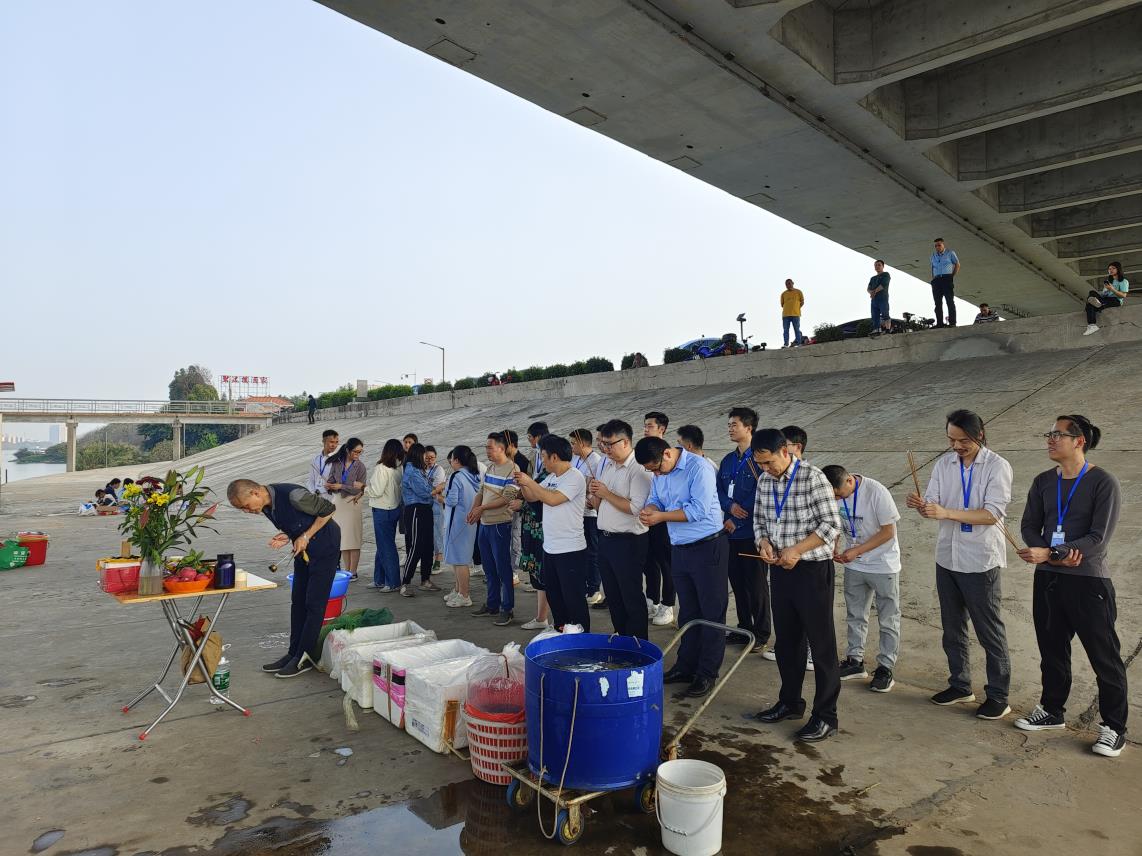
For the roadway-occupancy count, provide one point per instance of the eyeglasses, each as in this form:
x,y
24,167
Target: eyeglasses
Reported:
x,y
1057,435
607,445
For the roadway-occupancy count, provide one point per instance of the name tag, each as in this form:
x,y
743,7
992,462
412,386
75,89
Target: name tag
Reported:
x,y
730,491
965,527
1058,537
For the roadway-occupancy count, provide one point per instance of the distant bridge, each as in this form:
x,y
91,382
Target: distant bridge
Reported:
x,y
72,411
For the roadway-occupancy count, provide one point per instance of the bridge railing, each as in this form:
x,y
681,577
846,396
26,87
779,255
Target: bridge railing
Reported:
x,y
65,406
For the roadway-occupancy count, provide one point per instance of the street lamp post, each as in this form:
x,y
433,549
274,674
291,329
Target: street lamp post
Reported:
x,y
741,321
439,348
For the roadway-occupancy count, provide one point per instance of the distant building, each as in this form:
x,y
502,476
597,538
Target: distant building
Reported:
x,y
268,404
53,434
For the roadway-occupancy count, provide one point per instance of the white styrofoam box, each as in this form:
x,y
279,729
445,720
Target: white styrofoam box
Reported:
x,y
336,641
357,664
428,689
389,669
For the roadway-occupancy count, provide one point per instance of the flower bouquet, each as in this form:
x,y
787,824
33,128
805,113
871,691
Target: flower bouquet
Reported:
x,y
169,516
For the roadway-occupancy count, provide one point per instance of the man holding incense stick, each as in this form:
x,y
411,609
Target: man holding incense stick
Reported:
x,y
968,495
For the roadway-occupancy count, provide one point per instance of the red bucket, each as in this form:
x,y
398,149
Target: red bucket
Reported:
x,y
37,544
333,609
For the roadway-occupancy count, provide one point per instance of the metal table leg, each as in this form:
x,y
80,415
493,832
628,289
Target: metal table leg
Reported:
x,y
172,622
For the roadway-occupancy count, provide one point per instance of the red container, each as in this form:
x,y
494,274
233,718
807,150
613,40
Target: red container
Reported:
x,y
37,544
119,578
333,609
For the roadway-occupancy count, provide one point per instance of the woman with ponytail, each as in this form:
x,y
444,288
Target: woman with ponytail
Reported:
x,y
460,535
1071,513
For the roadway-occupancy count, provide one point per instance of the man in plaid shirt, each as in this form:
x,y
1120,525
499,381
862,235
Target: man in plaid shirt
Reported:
x,y
796,524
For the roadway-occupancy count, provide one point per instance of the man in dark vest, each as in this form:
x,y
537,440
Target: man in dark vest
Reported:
x,y
304,520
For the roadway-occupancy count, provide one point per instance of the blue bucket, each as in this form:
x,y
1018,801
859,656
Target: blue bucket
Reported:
x,y
618,721
340,584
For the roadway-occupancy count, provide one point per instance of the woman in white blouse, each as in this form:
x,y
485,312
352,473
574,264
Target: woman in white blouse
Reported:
x,y
384,494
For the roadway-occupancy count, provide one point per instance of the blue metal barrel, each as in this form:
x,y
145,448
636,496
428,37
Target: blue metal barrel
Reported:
x,y
618,720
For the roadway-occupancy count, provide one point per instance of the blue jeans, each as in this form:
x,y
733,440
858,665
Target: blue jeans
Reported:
x,y
495,553
879,310
795,322
386,565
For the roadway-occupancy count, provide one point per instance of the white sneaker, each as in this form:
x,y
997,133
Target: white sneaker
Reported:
x,y
1109,743
663,616
1090,328
528,587
573,628
597,597
407,591
458,601
651,608
769,654
809,667
535,624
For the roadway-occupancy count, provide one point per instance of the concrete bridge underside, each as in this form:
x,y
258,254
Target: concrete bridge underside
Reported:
x,y
1012,129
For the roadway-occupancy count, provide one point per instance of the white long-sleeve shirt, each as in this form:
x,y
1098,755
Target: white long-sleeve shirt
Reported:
x,y
383,488
984,547
318,472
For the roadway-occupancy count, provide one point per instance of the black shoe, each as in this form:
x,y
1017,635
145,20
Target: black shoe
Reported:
x,y
852,668
814,731
677,676
294,668
602,604
277,665
1040,720
779,712
1110,742
483,610
505,618
952,696
882,680
992,709
699,688
939,325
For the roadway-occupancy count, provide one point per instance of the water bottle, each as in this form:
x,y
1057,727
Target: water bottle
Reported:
x,y
221,678
224,571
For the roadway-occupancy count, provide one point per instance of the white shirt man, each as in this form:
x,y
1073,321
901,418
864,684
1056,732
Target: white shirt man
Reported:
x,y
318,468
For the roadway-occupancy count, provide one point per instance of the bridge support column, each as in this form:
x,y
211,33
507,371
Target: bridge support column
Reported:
x,y
176,440
71,430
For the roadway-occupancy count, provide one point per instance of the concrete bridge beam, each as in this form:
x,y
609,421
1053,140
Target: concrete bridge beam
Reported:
x,y
1084,219
1115,241
176,440
1096,267
1072,185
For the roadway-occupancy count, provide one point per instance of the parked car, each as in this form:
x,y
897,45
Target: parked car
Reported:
x,y
726,345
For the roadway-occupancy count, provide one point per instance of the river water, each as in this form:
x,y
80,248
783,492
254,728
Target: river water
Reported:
x,y
19,472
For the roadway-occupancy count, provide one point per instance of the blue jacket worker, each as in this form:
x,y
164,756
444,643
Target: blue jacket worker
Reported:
x,y
684,496
304,520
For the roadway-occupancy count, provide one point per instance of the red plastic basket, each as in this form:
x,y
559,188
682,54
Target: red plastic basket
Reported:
x,y
37,544
494,743
333,609
119,579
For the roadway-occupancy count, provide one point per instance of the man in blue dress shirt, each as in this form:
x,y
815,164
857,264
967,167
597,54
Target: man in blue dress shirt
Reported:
x,y
684,496
945,266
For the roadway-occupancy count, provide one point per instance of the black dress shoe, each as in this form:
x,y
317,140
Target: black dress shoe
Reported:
x,y
277,665
736,638
779,712
699,688
814,731
677,676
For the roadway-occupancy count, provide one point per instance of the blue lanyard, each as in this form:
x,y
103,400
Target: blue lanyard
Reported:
x,y
738,468
966,485
1060,509
780,506
345,471
851,515
578,462
602,466
324,464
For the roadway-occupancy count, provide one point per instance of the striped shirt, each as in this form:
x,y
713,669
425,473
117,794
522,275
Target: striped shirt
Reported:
x,y
810,507
497,482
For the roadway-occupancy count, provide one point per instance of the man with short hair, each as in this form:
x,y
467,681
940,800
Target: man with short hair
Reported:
x,y
796,525
305,520
619,492
562,494
737,489
691,438
796,440
871,555
586,460
945,265
792,300
490,510
654,424
878,297
684,496
320,463
660,595
985,316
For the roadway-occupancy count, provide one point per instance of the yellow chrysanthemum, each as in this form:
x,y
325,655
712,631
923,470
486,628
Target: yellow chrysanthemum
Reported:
x,y
131,490
159,499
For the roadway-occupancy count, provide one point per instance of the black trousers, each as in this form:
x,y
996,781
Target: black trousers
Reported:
x,y
591,533
565,581
622,558
1092,311
418,533
312,582
943,290
1066,605
701,573
803,613
749,578
659,580
312,411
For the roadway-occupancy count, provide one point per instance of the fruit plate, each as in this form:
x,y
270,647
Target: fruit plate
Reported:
x,y
189,587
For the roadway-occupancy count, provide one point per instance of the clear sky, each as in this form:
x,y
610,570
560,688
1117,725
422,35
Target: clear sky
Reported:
x,y
269,188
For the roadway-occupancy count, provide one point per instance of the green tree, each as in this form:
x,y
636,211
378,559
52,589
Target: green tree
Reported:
x,y
106,455
186,380
161,451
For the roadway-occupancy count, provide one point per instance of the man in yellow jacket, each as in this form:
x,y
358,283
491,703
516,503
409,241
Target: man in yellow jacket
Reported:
x,y
791,302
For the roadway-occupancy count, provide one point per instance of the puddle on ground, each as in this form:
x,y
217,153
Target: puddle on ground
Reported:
x,y
473,817
222,814
925,850
46,840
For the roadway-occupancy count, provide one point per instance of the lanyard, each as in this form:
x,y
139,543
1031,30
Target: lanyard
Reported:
x,y
324,464
1061,510
966,485
780,506
738,468
851,515
602,466
345,467
579,465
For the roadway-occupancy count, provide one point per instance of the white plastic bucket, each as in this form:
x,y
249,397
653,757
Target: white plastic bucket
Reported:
x,y
689,806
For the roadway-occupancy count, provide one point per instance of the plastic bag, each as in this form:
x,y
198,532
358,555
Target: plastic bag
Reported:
x,y
495,686
211,654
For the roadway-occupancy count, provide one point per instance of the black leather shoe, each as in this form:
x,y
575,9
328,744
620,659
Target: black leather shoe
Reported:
x,y
779,712
677,676
814,731
699,688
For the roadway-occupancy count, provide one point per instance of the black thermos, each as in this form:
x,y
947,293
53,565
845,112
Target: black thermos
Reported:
x,y
224,571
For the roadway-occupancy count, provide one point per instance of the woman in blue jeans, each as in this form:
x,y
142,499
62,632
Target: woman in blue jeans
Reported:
x,y
384,494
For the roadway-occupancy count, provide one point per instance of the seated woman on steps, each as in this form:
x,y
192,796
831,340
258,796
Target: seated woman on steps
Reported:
x,y
1114,290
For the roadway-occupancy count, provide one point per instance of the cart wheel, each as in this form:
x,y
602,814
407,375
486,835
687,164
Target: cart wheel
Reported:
x,y
568,833
644,796
519,797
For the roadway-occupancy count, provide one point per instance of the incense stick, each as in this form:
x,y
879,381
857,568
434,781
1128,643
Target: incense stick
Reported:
x,y
1008,536
915,477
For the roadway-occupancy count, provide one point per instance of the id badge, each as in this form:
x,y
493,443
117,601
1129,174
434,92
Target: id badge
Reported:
x,y
965,527
730,491
1058,537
